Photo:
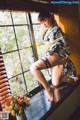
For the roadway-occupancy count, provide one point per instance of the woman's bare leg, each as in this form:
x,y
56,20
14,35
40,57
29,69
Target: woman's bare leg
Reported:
x,y
36,71
58,77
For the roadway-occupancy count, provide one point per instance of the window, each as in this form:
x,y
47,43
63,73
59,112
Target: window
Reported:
x,y
17,48
38,33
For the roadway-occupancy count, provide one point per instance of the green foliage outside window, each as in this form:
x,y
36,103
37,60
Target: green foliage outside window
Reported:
x,y
15,43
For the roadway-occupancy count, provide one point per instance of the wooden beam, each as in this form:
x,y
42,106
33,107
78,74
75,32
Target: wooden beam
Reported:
x,y
25,5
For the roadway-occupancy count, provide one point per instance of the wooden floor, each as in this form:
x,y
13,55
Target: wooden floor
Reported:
x,y
76,114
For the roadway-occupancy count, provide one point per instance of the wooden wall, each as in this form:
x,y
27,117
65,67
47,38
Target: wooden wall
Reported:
x,y
69,19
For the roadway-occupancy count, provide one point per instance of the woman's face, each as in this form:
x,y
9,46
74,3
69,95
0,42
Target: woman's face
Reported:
x,y
46,23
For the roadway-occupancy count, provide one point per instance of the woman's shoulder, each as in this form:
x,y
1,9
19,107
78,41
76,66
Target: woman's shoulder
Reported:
x,y
58,31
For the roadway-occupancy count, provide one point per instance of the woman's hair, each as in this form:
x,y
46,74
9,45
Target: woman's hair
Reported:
x,y
45,14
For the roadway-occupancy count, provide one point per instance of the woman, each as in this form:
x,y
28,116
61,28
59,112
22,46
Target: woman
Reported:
x,y
56,57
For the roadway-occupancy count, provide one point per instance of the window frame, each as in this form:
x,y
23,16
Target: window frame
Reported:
x,y
33,47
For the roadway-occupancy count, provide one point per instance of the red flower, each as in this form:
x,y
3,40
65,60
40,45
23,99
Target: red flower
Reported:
x,y
19,101
16,104
8,101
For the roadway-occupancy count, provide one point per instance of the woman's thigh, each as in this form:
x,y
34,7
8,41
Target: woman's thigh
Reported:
x,y
39,65
54,60
57,75
48,62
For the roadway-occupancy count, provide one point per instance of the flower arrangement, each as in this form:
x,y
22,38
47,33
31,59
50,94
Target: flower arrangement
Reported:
x,y
16,104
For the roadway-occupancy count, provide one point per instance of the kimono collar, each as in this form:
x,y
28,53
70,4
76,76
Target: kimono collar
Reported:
x,y
51,30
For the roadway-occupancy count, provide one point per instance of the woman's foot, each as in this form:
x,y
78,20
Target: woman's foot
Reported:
x,y
76,78
51,95
73,79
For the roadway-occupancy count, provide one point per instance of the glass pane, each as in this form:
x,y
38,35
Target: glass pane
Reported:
x,y
17,85
23,38
30,81
38,33
34,17
41,50
12,64
5,18
26,58
47,74
7,39
19,18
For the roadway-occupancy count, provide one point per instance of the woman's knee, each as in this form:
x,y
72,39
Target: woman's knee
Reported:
x,y
55,83
38,65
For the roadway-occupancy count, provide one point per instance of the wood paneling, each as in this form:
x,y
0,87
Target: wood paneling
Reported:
x,y
25,5
70,18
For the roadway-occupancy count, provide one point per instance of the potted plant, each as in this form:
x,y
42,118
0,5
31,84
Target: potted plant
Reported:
x,y
16,104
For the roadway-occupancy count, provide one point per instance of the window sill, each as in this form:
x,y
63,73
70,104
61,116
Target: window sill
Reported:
x,y
41,108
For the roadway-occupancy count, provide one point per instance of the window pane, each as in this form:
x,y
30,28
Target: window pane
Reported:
x,y
34,17
7,39
5,18
23,38
26,58
19,18
47,74
38,33
30,81
17,85
41,50
12,64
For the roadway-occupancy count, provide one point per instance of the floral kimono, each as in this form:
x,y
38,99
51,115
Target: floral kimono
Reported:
x,y
56,41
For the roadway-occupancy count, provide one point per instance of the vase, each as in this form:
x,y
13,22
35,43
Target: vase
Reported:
x,y
21,116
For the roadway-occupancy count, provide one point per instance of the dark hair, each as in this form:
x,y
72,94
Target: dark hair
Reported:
x,y
43,15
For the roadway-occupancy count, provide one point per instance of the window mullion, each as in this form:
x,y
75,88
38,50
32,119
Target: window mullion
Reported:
x,y
32,37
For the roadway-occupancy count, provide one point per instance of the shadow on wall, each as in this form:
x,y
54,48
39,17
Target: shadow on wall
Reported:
x,y
68,19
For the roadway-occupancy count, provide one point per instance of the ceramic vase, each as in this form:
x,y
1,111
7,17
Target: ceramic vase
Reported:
x,y
21,116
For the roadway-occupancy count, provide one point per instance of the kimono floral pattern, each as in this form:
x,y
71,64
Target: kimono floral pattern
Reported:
x,y
58,45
